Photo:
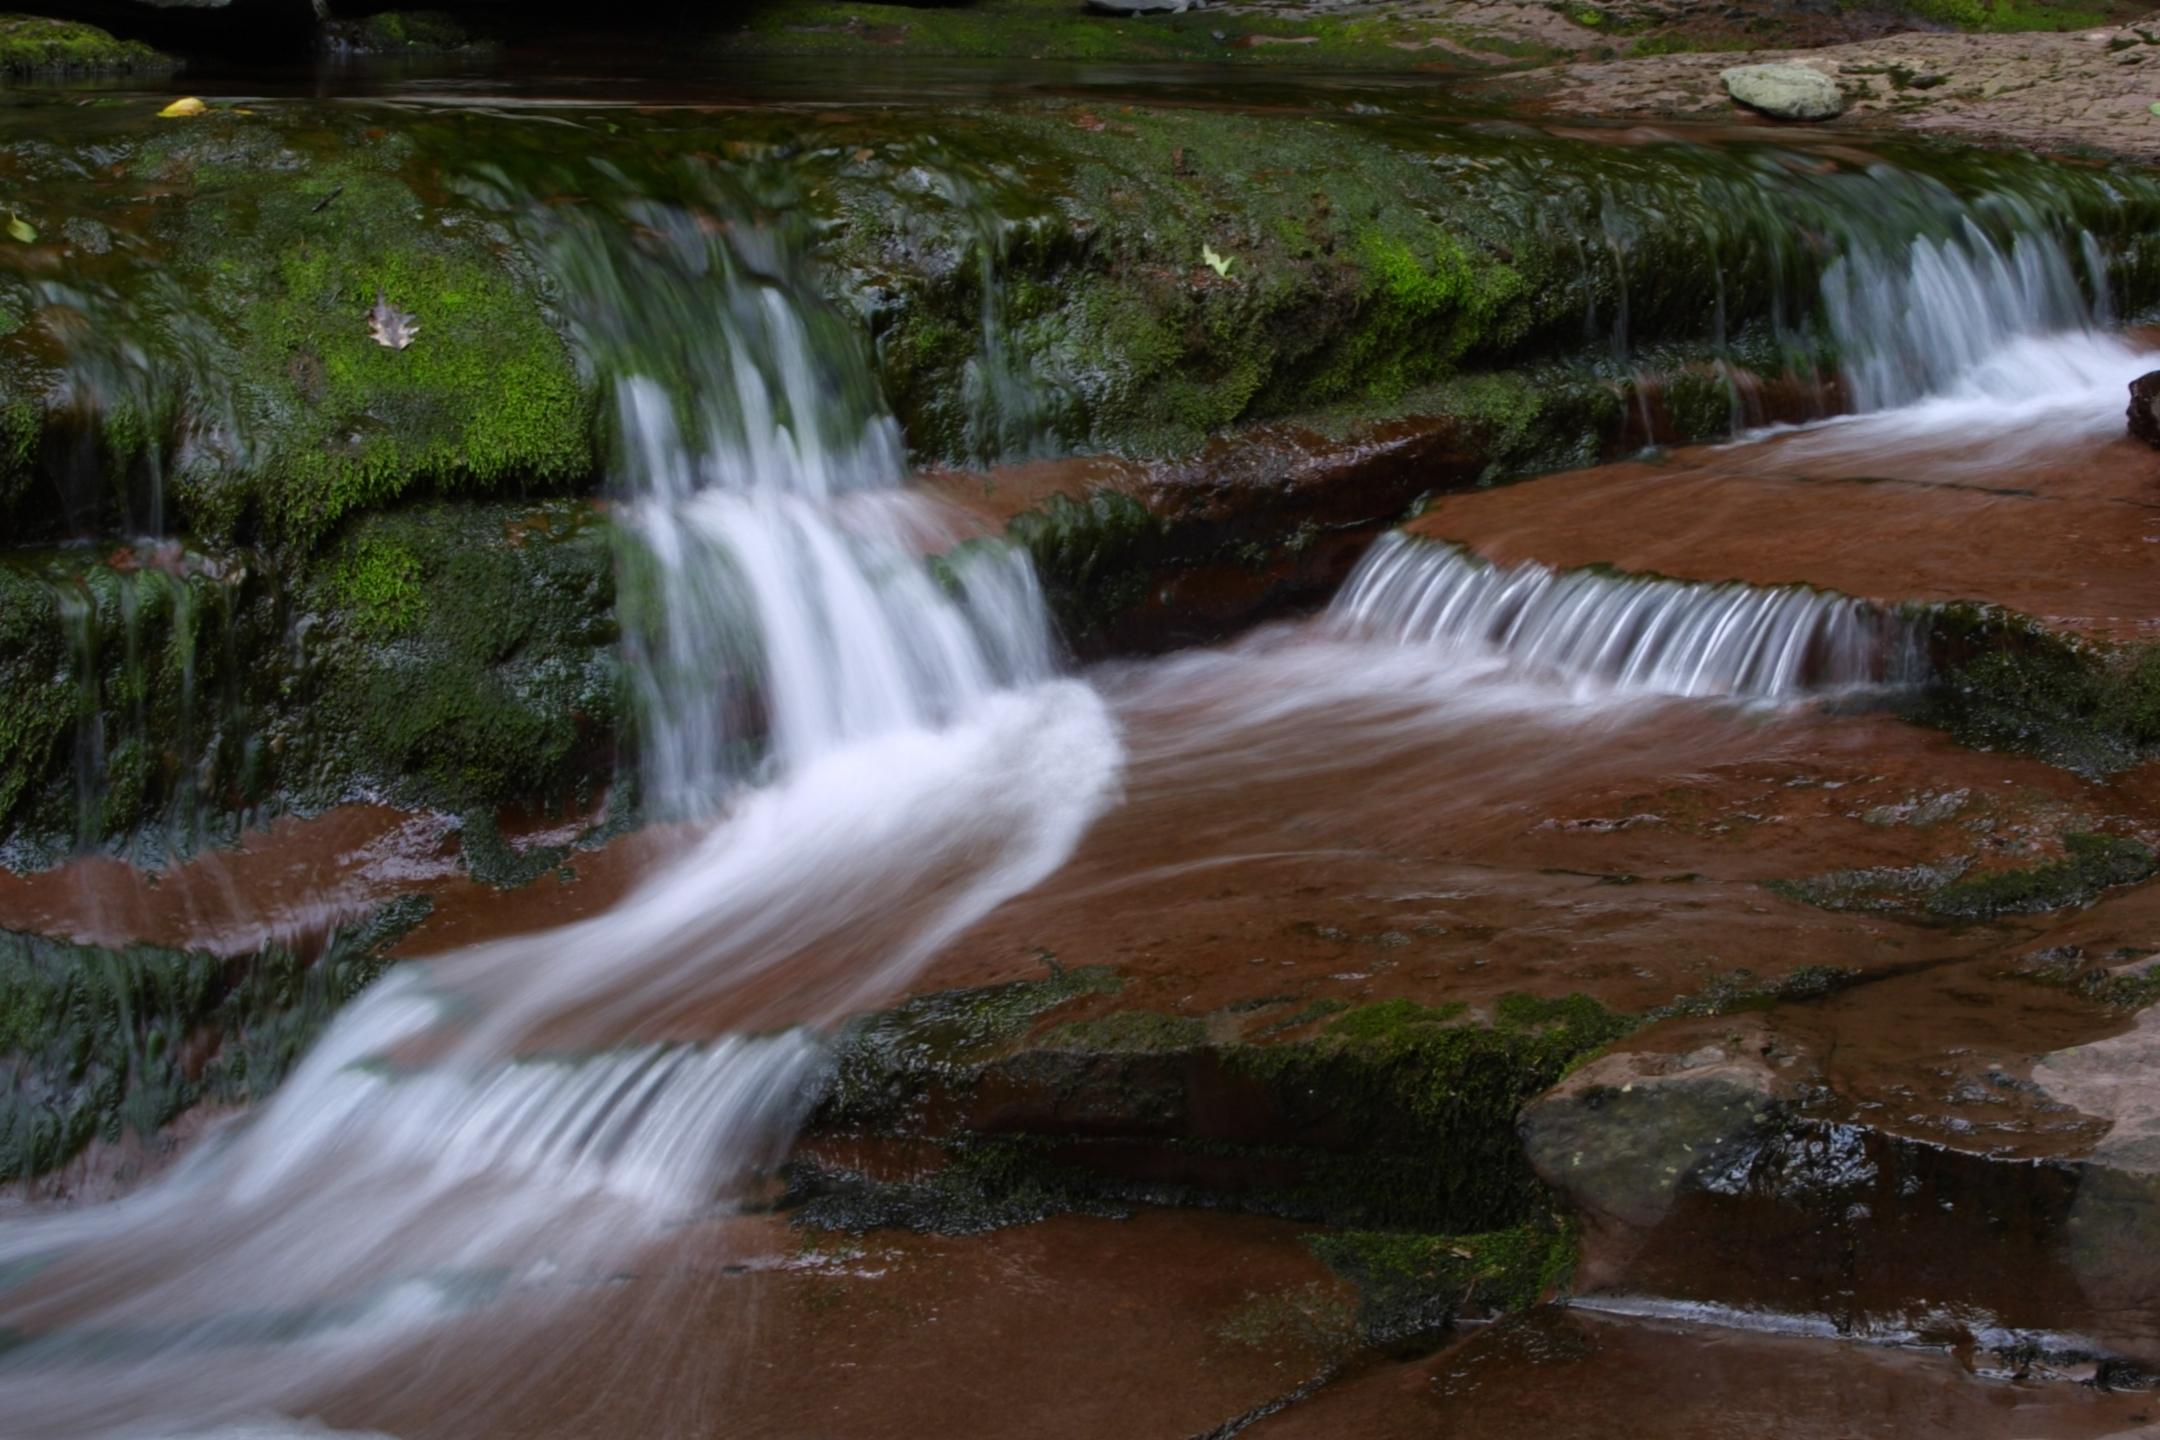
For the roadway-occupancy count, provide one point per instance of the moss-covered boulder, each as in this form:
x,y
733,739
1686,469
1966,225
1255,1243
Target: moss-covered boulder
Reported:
x,y
452,657
210,362
1393,1115
97,1043
34,46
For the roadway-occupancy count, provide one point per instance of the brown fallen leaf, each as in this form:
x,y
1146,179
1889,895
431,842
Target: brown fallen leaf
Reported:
x,y
391,327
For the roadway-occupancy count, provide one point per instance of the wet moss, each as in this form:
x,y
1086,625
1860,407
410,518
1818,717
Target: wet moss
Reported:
x,y
1739,991
2089,865
2010,16
449,657
2005,682
1395,1115
120,694
1097,557
1954,891
1412,1285
1061,30
236,389
480,671
97,1043
32,45
886,1063
980,1186
401,32
1128,1032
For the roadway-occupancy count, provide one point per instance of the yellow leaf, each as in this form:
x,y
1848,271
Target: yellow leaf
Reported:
x,y
186,105
21,229
1220,264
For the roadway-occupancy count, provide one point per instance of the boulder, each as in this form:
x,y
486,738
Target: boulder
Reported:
x,y
1786,90
2145,409
1626,1134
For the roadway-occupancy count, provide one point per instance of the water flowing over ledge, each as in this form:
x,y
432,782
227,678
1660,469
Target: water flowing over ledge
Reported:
x,y
1654,636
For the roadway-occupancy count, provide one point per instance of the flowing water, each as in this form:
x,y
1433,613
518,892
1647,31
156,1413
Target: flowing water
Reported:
x,y
874,760
870,758
1662,637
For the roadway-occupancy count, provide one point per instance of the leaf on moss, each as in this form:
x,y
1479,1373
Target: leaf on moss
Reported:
x,y
1220,264
22,229
391,327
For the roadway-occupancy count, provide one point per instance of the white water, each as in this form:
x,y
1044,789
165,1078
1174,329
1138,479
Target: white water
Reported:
x,y
500,1129
1964,342
1647,636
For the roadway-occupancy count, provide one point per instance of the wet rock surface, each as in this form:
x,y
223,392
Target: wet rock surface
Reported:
x,y
1580,1373
2145,409
1505,987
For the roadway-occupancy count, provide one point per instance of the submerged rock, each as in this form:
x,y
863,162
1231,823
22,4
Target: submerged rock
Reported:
x,y
2145,409
1786,90
1621,1136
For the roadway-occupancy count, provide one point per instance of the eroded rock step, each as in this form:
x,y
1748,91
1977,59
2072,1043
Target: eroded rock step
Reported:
x,y
2062,531
1581,1373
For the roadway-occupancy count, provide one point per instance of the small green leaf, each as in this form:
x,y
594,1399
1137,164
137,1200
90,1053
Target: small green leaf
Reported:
x,y
22,229
1220,264
2155,107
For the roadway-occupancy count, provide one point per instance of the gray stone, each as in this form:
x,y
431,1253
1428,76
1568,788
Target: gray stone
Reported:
x,y
1141,7
1622,1136
1785,89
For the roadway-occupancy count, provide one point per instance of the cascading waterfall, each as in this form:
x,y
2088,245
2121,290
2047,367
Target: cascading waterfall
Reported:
x,y
1965,316
496,1128
1651,636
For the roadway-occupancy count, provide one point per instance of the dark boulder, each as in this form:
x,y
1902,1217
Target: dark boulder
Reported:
x,y
2145,409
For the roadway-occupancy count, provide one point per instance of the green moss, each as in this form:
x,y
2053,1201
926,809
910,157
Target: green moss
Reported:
x,y
1738,991
378,586
491,859
2004,682
2090,864
1953,891
406,32
1097,557
980,1186
1411,1285
886,1063
1060,30
1395,1115
95,1043
485,395
2011,16
32,45
451,657
490,680
1128,1032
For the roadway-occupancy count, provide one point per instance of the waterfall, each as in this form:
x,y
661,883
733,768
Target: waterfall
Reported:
x,y
872,756
1651,636
1943,315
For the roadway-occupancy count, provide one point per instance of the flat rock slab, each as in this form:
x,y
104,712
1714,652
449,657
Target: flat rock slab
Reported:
x,y
2081,91
2066,534
1786,90
1577,1375
1157,1328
